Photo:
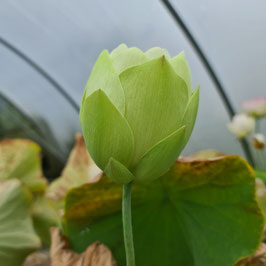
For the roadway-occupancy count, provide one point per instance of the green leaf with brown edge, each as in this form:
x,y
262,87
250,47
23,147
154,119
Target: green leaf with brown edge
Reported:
x,y
201,213
79,169
21,159
17,236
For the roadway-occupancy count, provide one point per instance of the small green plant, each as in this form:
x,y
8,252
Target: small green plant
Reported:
x,y
137,114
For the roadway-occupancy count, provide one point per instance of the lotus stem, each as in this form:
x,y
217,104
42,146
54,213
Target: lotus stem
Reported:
x,y
127,225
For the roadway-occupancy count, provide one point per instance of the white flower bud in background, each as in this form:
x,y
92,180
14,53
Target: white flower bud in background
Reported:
x,y
258,141
241,125
255,107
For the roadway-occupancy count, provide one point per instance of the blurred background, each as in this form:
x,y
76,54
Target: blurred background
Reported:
x,y
48,48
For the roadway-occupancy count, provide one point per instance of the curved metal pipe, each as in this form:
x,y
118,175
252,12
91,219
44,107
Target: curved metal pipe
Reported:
x,y
42,72
211,72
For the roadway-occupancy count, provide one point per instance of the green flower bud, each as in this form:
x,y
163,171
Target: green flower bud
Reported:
x,y
138,112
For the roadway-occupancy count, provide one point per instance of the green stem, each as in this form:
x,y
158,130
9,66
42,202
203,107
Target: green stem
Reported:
x,y
127,225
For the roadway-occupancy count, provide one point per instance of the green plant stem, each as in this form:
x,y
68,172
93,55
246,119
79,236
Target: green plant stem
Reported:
x,y
127,225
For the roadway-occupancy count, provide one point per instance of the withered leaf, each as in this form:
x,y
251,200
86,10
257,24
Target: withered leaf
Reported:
x,y
61,254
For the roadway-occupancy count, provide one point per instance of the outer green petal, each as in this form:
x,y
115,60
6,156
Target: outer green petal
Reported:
x,y
156,52
106,132
191,114
161,157
118,49
118,172
104,77
128,58
181,67
156,99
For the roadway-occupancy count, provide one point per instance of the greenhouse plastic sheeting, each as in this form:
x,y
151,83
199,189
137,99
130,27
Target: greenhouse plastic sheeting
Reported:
x,y
65,38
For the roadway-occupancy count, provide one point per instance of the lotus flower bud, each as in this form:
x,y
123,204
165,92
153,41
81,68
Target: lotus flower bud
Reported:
x,y
258,141
138,112
255,107
241,125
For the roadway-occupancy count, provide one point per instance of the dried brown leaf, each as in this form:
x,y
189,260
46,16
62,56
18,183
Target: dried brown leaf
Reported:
x,y
61,254
38,258
79,169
